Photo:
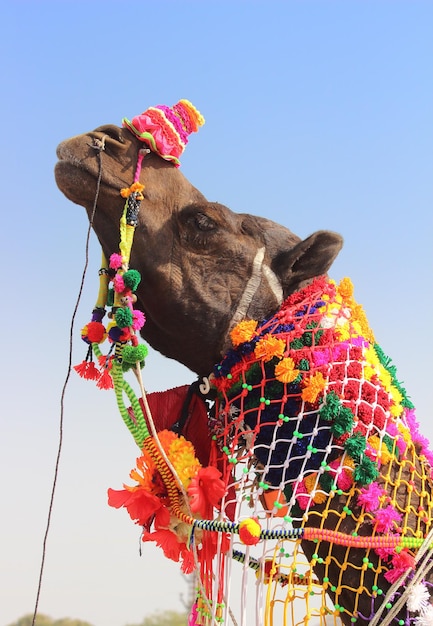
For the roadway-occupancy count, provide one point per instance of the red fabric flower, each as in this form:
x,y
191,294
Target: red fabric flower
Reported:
x,y
205,491
168,541
141,505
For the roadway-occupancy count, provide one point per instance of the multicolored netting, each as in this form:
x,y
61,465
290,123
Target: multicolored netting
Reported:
x,y
315,506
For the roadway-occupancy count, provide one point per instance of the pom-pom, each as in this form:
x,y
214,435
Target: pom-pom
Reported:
x,y
384,519
132,279
131,354
138,320
401,563
123,317
365,472
118,283
115,261
115,333
425,618
249,531
369,497
96,332
355,446
418,599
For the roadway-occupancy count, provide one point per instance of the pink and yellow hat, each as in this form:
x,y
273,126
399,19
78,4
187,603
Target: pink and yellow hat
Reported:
x,y
166,129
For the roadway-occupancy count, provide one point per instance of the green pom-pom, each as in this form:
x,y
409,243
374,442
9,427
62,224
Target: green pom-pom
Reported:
x,y
123,317
326,482
134,354
331,408
296,344
304,365
366,472
343,422
355,446
132,279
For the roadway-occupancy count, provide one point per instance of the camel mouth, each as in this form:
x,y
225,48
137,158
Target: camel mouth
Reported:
x,y
77,178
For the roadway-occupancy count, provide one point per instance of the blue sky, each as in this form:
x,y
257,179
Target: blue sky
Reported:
x,y
318,115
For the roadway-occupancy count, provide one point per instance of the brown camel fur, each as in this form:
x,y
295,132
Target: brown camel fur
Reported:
x,y
195,258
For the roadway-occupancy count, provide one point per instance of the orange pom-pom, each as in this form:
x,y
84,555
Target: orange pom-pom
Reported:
x,y
249,531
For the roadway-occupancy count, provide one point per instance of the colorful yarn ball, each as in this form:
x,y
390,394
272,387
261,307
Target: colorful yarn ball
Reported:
x,y
93,332
118,283
132,279
138,320
115,261
123,317
249,531
132,355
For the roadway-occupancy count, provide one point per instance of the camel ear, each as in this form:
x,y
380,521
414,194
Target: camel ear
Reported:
x,y
309,258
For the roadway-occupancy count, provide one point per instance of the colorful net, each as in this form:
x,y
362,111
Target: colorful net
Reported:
x,y
317,496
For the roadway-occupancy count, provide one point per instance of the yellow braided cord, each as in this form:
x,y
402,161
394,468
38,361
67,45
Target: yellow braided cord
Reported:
x,y
167,478
104,280
126,239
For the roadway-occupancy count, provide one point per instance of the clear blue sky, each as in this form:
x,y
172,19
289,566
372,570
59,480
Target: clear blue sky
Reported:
x,y
318,115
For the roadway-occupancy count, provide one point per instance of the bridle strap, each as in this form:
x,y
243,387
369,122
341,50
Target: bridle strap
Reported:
x,y
259,270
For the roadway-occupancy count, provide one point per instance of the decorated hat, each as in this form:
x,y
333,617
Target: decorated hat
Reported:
x,y
166,129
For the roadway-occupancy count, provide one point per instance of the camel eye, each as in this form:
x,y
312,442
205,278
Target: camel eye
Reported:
x,y
204,222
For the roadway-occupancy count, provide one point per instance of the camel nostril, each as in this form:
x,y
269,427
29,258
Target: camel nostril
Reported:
x,y
111,131
98,144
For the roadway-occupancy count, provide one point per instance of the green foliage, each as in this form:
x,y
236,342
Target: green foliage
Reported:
x,y
44,620
167,618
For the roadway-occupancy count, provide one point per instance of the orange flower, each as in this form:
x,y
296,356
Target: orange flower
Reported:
x,y
314,386
285,370
179,451
244,331
268,347
135,187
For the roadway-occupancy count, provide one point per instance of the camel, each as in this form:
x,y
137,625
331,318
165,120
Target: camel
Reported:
x,y
212,283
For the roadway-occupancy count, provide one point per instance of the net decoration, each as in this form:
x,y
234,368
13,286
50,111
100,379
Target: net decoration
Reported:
x,y
313,503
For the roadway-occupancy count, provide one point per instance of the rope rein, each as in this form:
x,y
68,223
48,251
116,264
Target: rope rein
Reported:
x,y
99,146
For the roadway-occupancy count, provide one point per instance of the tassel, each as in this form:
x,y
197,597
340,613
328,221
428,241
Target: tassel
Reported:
x,y
81,368
105,381
92,372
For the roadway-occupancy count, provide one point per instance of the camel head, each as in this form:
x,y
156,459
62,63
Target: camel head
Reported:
x,y
203,266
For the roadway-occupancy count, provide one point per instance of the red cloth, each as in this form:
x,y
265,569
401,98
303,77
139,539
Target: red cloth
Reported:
x,y
166,408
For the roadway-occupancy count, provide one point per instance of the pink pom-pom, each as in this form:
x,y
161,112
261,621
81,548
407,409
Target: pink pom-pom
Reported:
x,y
369,497
115,261
345,480
401,563
118,283
385,518
138,320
